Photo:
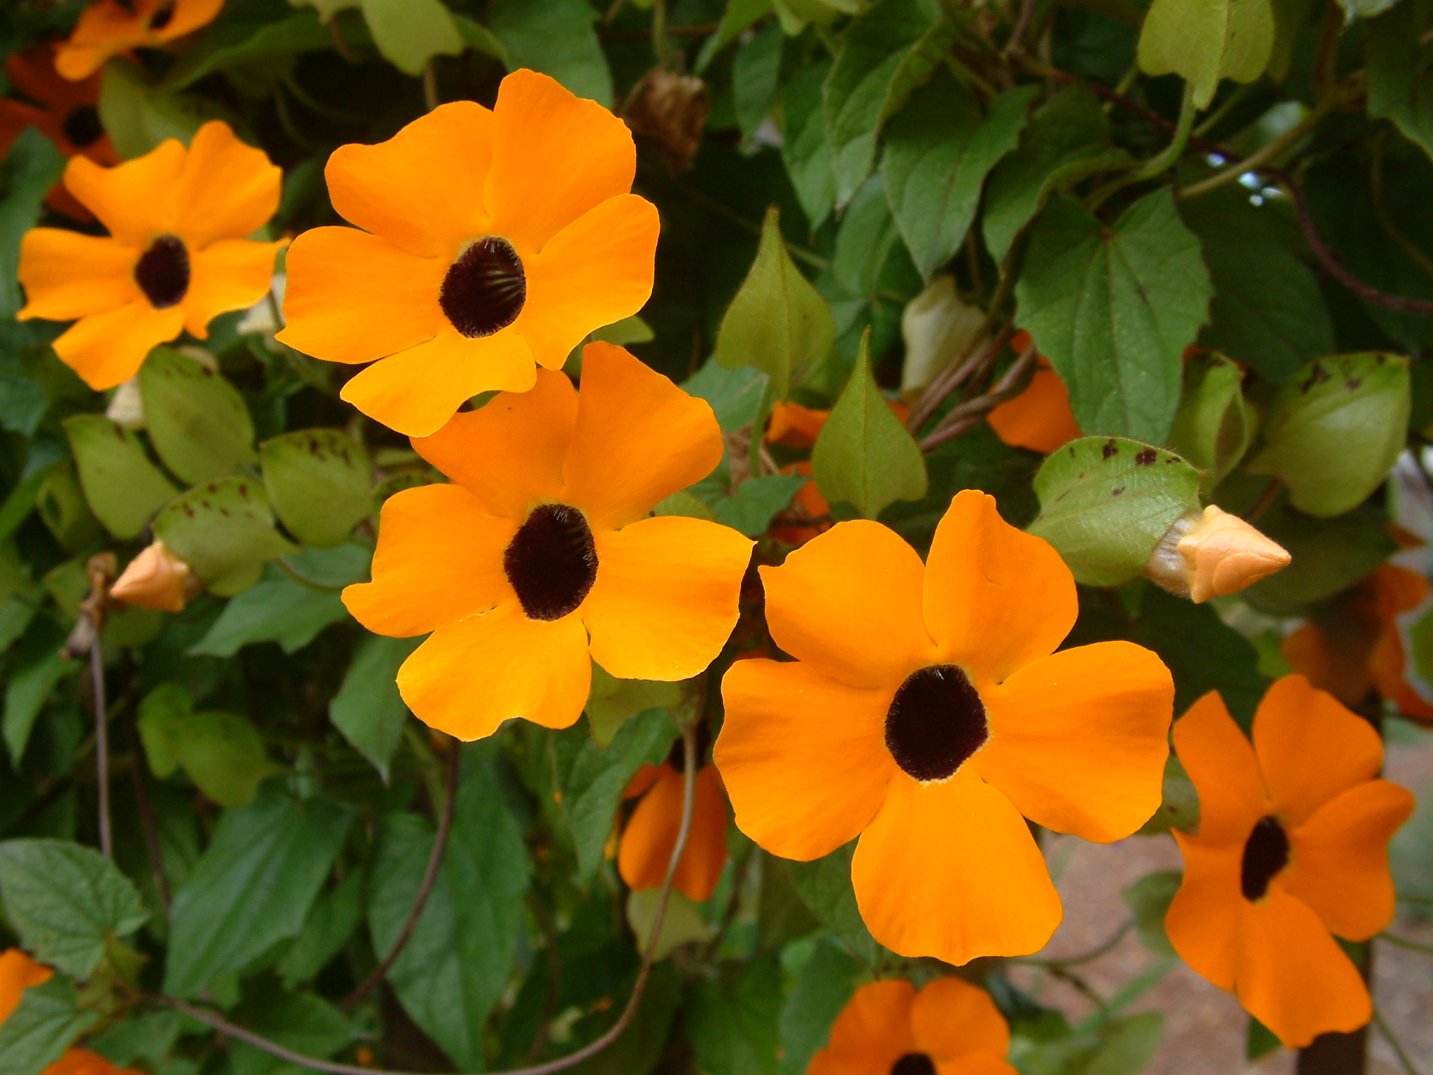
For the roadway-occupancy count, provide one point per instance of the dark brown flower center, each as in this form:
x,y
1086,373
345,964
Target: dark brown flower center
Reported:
x,y
1266,852
162,272
914,1064
160,19
935,722
485,288
551,561
81,126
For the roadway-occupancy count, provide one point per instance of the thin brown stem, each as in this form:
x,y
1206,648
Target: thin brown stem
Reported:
x,y
965,417
1083,957
953,376
101,743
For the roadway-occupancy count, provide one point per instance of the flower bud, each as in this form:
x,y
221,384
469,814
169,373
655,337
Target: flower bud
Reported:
x,y
1212,553
156,579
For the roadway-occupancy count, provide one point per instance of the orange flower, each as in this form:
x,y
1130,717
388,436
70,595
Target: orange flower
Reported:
x,y
175,258
492,240
645,848
926,713
1292,848
1355,647
1040,417
950,1027
18,972
112,27
541,542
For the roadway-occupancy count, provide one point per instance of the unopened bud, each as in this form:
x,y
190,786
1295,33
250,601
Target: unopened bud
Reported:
x,y
126,406
156,579
1212,553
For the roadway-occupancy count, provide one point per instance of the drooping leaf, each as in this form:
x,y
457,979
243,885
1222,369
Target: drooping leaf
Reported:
x,y
123,487
223,530
319,482
1398,85
1204,41
197,421
1113,308
409,33
804,149
755,77
367,709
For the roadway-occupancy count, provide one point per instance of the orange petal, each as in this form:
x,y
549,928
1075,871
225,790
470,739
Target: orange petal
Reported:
x,y
976,1064
107,348
352,297
803,757
472,675
665,599
134,200
950,870
422,189
1338,861
874,1028
1293,976
509,453
595,271
1221,763
794,426
1310,747
66,274
848,602
415,392
555,156
1040,417
638,438
439,559
18,972
227,189
952,1018
231,274
188,16
1203,919
1079,740
645,849
995,597
1328,664
84,1062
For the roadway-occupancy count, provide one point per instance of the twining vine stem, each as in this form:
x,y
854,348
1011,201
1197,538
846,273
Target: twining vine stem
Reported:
x,y
101,743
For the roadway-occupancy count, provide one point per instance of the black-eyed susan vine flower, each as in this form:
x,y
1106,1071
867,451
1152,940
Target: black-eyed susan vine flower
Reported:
x,y
645,847
538,559
176,256
18,972
1292,850
949,1027
927,714
492,243
112,27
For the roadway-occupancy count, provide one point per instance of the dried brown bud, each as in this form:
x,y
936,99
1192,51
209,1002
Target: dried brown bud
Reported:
x,y
156,579
1212,553
670,111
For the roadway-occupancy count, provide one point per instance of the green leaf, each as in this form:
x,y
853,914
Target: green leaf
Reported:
x,y
1206,40
865,241
755,78
277,609
820,988
138,117
612,702
409,33
825,885
123,488
257,41
224,532
795,15
457,962
804,149
1398,85
1335,429
30,681
1126,1047
1067,139
301,1021
327,929
367,709
252,887
1106,501
864,455
756,502
23,403
682,921
47,1021
736,17
884,55
733,1019
222,752
64,510
1113,309
1149,898
1329,555
66,902
1213,425
319,482
939,149
1203,653
777,322
196,420
30,169
556,38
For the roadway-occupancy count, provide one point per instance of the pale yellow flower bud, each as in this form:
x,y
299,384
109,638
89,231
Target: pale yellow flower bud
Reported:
x,y
1212,553
156,579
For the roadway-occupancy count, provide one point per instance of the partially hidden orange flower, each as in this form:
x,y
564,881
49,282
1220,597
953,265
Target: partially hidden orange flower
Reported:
x,y
644,849
1039,418
1292,849
928,714
111,27
493,242
175,258
538,559
949,1027
18,972
1355,647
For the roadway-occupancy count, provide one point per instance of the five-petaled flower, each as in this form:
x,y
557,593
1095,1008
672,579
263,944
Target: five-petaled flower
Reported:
x,y
109,28
18,972
538,559
926,713
175,258
645,848
950,1027
493,243
1292,849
